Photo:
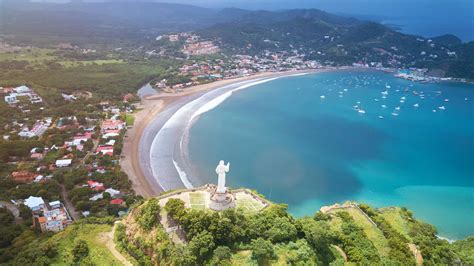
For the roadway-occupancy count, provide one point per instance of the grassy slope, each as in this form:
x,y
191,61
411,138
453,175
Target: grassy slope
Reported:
x,y
98,252
372,232
394,218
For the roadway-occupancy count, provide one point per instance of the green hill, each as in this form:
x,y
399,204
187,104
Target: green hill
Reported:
x,y
349,233
163,231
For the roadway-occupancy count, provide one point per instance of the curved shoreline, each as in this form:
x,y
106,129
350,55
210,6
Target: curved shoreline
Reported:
x,y
160,128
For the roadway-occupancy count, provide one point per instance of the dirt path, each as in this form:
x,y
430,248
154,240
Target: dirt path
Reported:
x,y
343,254
417,253
108,240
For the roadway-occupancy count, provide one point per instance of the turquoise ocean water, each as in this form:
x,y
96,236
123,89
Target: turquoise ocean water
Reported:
x,y
294,146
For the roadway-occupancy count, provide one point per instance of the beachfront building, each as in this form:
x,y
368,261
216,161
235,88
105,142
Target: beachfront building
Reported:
x,y
112,125
105,150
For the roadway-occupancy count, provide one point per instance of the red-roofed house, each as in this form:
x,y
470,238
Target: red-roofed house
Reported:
x,y
117,201
110,133
105,150
23,176
96,185
127,97
81,138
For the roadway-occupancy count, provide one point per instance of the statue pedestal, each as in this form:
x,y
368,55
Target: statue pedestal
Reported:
x,y
221,201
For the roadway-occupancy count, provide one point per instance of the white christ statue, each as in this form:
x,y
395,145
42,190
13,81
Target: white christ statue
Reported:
x,y
221,169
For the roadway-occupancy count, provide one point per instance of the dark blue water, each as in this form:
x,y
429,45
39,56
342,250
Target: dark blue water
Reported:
x,y
283,140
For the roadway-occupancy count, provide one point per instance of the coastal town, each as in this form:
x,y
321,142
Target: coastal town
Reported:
x,y
96,108
71,169
79,155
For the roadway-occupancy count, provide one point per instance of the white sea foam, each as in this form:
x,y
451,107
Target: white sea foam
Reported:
x,y
180,122
182,175
221,98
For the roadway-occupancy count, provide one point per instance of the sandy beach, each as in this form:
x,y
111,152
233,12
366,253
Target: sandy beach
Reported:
x,y
155,112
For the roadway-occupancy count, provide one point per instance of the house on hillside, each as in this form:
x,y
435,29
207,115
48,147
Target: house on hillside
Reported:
x,y
63,163
23,176
49,217
34,203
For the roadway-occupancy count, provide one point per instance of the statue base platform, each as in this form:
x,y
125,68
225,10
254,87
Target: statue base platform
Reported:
x,y
221,201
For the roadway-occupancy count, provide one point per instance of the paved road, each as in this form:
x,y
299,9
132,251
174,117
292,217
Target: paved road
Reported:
x,y
69,206
13,209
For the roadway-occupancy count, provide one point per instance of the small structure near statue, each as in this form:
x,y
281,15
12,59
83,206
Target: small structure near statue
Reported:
x,y
221,198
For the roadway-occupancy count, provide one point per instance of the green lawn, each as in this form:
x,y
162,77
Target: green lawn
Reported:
x,y
197,200
71,63
248,204
243,257
130,119
30,55
40,55
91,233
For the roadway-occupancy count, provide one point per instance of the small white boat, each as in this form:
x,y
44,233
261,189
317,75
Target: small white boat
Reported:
x,y
416,105
387,86
434,111
446,100
358,102
395,114
384,92
322,97
402,101
397,108
345,89
384,106
361,111
380,117
465,99
376,99
442,108
403,98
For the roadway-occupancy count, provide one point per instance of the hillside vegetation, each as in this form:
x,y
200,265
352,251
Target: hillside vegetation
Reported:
x,y
349,234
174,235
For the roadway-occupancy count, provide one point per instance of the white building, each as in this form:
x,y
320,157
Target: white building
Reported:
x,y
112,192
11,99
63,163
34,203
